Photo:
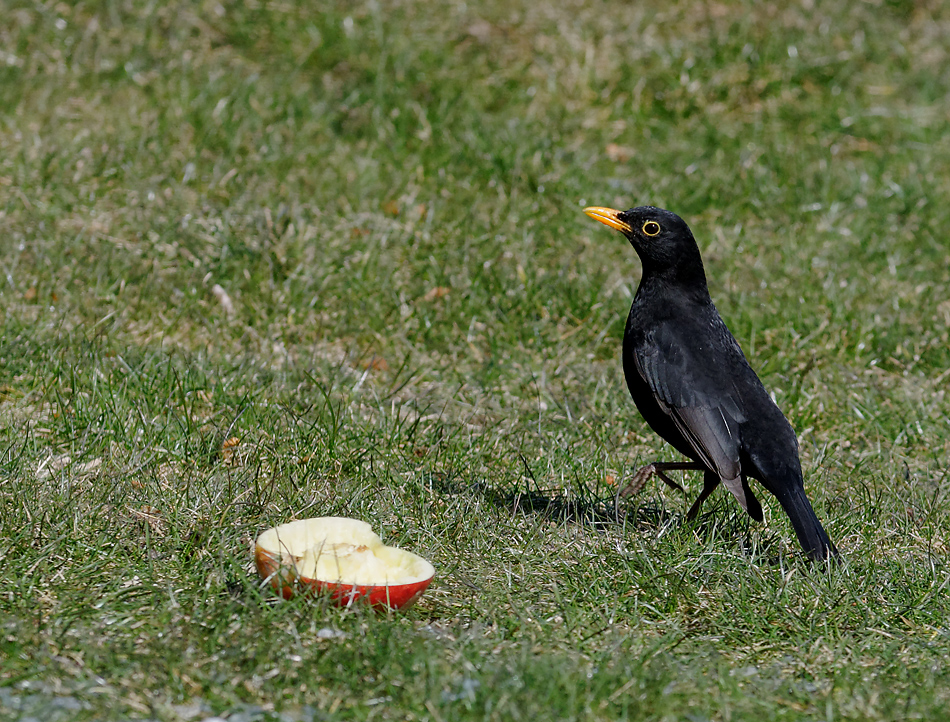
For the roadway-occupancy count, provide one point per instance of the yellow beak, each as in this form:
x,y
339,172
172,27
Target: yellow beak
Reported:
x,y
608,216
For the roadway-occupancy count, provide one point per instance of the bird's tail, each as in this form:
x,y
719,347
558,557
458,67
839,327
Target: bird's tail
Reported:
x,y
811,534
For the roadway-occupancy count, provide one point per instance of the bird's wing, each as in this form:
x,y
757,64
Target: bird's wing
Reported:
x,y
692,377
710,433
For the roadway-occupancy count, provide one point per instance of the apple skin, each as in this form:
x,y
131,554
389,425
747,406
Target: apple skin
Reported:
x,y
285,580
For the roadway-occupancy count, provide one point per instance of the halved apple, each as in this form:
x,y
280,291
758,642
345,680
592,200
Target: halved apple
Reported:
x,y
341,557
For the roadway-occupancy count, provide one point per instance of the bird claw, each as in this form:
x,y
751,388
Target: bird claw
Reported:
x,y
639,480
642,476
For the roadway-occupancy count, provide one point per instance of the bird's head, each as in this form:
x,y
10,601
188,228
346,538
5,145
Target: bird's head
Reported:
x,y
662,240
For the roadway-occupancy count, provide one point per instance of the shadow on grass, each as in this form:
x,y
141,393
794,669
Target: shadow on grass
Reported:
x,y
583,506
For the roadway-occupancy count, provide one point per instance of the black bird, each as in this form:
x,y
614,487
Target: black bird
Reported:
x,y
693,385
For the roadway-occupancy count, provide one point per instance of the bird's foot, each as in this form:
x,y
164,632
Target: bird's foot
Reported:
x,y
639,480
642,476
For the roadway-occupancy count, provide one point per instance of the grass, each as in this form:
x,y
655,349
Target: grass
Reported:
x,y
349,236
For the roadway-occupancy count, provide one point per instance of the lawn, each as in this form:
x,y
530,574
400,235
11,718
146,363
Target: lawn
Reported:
x,y
263,261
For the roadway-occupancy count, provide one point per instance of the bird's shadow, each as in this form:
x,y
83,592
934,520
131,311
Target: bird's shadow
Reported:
x,y
580,504
604,510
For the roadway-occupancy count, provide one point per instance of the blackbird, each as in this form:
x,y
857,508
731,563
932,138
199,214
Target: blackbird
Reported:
x,y
693,385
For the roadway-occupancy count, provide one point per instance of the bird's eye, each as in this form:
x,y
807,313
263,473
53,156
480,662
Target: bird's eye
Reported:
x,y
651,228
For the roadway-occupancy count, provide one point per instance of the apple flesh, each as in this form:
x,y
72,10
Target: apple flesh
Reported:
x,y
343,558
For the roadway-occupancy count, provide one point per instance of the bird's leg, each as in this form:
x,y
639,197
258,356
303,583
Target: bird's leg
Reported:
x,y
642,476
710,482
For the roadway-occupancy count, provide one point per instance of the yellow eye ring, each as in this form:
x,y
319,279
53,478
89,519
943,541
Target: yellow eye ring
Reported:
x,y
651,228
